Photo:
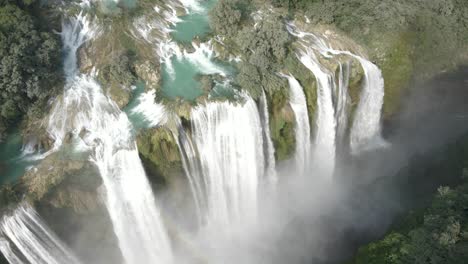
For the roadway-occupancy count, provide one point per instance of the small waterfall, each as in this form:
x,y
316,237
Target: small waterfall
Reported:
x,y
366,127
270,148
8,252
97,121
342,103
230,145
31,236
299,105
366,130
325,134
202,57
192,169
192,5
152,112
75,34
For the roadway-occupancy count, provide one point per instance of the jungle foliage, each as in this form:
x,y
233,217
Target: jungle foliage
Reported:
x,y
438,234
264,46
29,60
410,40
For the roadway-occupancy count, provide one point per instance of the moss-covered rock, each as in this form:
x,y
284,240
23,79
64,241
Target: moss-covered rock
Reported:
x,y
120,59
281,124
160,154
396,63
63,182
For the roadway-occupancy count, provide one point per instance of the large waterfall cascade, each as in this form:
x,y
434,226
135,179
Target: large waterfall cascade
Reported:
x,y
34,241
366,128
96,120
224,155
230,144
333,102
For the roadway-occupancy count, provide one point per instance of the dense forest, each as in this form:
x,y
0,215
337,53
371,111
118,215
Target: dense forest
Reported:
x,y
30,67
438,234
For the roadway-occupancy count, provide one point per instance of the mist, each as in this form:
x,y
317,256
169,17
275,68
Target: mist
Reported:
x,y
313,219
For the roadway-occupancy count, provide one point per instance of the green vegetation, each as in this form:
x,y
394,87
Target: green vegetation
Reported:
x,y
436,229
264,47
159,152
438,234
29,62
409,40
226,17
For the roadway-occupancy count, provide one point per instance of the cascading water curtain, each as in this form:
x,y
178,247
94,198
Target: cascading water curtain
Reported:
x,y
129,199
229,141
33,239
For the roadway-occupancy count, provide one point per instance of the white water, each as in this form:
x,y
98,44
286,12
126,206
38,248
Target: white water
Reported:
x,y
230,145
156,30
325,133
342,103
152,112
31,236
192,169
270,148
366,128
95,119
8,252
302,130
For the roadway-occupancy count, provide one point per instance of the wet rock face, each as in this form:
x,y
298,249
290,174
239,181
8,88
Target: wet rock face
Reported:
x,y
63,183
160,154
281,124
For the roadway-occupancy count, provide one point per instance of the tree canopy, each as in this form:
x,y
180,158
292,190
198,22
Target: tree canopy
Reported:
x,y
29,61
437,235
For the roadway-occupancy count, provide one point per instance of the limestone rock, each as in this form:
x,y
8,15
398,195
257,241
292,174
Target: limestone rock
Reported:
x,y
149,72
159,153
63,182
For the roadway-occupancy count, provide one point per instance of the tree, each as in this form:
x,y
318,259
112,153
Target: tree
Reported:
x,y
225,17
29,62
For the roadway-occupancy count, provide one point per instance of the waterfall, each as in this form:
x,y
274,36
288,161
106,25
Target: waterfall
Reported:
x,y
97,121
366,130
8,252
302,130
31,236
270,149
230,145
342,103
152,112
192,169
325,134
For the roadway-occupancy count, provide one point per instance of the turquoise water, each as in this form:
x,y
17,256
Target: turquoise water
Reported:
x,y
180,78
137,120
12,164
183,83
196,23
113,7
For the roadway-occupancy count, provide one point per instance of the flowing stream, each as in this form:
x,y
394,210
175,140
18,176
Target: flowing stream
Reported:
x,y
97,121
